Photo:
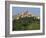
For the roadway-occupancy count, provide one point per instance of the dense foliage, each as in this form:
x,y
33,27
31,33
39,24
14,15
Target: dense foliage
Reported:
x,y
26,23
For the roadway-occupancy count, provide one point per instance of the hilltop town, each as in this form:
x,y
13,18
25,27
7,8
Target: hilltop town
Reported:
x,y
25,14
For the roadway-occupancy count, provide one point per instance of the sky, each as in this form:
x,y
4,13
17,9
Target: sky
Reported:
x,y
16,10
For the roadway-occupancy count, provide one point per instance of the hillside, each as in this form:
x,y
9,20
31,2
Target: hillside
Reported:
x,y
26,21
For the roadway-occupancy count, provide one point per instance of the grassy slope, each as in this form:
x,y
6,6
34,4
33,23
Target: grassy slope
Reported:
x,y
26,23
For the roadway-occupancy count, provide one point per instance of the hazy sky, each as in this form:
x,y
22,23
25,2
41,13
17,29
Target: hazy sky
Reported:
x,y
35,11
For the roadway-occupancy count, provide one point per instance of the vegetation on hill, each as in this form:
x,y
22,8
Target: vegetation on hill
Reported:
x,y
26,23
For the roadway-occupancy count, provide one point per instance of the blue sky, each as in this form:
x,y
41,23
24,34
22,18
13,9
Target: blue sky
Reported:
x,y
16,10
